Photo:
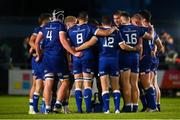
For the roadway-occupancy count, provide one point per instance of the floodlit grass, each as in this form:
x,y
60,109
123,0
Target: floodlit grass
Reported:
x,y
16,107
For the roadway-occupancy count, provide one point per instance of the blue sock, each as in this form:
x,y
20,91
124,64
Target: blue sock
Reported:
x,y
150,98
53,101
116,96
43,106
158,107
127,108
143,100
78,96
135,108
87,99
35,102
105,98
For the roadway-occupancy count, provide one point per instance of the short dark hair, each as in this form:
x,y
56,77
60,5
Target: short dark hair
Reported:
x,y
146,15
43,16
125,14
117,12
106,20
83,15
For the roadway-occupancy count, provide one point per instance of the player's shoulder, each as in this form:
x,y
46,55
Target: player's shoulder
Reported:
x,y
72,28
144,28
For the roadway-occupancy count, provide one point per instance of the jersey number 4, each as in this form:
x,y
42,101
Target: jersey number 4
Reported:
x,y
49,35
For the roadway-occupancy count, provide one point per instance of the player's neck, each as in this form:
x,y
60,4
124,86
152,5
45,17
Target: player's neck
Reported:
x,y
81,22
125,23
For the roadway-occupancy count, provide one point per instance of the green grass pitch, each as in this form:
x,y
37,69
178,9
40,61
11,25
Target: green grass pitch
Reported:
x,y
16,107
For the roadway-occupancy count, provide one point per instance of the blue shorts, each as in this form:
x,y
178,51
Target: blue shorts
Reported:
x,y
83,66
55,66
108,66
145,64
37,69
129,61
155,64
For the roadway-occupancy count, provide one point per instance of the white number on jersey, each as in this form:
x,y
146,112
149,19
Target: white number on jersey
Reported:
x,y
108,42
131,38
79,38
150,42
49,35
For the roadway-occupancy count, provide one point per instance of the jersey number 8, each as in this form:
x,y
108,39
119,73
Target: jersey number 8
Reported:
x,y
79,38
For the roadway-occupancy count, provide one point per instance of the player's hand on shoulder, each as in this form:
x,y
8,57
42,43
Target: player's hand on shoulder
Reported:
x,y
115,28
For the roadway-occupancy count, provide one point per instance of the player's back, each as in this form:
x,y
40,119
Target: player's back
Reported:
x,y
109,46
131,34
51,43
80,34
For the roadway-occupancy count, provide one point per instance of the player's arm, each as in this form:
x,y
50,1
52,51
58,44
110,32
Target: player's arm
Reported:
x,y
37,47
87,44
154,51
101,32
32,41
141,49
126,47
66,44
149,35
160,47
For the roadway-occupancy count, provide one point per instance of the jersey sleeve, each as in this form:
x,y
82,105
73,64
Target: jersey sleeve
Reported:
x,y
36,31
93,29
142,32
62,28
156,36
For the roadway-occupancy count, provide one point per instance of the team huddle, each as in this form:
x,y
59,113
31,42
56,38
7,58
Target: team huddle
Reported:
x,y
121,54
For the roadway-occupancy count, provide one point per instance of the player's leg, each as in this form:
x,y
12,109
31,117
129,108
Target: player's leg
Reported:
x,y
78,76
62,93
134,90
87,68
116,93
78,91
66,102
87,78
134,81
39,86
104,80
142,96
56,85
114,78
149,89
47,93
145,78
43,105
158,92
31,109
125,78
105,92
